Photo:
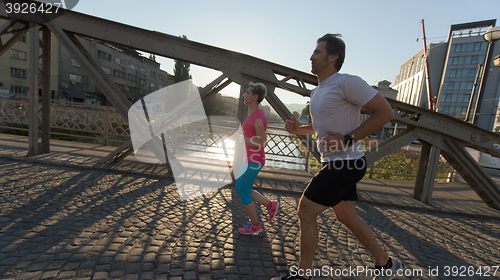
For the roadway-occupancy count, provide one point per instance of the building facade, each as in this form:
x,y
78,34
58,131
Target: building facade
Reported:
x,y
463,81
135,75
14,67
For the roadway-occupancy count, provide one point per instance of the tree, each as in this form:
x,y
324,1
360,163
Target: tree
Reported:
x,y
214,106
181,69
152,57
296,115
306,112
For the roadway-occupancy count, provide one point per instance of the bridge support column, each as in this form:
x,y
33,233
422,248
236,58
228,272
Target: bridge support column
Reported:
x,y
426,174
46,94
33,122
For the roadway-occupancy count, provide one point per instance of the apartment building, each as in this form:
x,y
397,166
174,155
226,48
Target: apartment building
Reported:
x,y
134,74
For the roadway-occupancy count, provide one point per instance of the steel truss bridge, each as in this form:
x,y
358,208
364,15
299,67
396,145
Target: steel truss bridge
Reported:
x,y
440,134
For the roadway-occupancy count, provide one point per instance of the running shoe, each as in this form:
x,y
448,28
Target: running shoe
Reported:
x,y
390,273
251,229
290,277
275,206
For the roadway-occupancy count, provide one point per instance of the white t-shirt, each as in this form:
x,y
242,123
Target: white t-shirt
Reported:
x,y
335,105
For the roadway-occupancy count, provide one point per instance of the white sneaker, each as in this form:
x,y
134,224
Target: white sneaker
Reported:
x,y
390,273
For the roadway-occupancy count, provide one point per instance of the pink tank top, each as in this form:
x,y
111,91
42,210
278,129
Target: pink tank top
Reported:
x,y
254,154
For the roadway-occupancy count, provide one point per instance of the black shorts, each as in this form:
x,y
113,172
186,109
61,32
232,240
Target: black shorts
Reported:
x,y
336,181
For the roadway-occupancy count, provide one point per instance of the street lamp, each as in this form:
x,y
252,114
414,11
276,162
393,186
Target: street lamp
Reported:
x,y
492,35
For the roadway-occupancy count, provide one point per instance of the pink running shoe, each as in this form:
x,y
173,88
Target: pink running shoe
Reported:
x,y
275,206
251,229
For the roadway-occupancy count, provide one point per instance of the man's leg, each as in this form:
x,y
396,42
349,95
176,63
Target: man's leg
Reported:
x,y
345,212
308,212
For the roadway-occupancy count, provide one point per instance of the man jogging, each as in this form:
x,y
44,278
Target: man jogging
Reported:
x,y
335,108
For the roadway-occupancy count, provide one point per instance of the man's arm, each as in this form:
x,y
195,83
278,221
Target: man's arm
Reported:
x,y
380,113
292,126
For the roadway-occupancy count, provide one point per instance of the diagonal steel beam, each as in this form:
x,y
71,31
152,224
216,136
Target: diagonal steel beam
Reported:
x,y
7,25
212,88
454,152
79,53
390,145
472,173
14,40
285,114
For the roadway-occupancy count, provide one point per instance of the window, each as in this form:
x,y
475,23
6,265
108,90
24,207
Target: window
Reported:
x,y
75,78
106,70
448,98
19,90
152,84
477,46
120,61
161,77
450,85
132,78
466,98
454,60
119,74
474,59
456,86
472,72
458,48
453,73
132,65
142,81
18,54
103,55
160,86
142,71
152,74
459,73
23,39
463,85
484,46
73,62
469,85
446,109
15,72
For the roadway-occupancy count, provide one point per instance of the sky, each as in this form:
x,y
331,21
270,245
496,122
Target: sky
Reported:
x,y
380,35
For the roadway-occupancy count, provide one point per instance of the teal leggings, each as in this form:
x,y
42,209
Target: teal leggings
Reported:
x,y
246,178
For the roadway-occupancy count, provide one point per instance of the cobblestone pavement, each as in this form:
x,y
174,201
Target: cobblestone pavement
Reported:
x,y
68,223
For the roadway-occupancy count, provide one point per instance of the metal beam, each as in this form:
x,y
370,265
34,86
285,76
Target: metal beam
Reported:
x,y
454,152
206,92
472,173
285,114
34,50
7,25
475,137
13,40
78,52
390,145
427,169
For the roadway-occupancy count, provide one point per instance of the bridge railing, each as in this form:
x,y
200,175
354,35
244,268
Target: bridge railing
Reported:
x,y
105,126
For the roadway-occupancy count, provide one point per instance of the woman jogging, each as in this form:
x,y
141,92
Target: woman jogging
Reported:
x,y
254,130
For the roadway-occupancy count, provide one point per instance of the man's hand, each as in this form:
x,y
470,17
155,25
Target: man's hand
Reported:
x,y
292,126
333,142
